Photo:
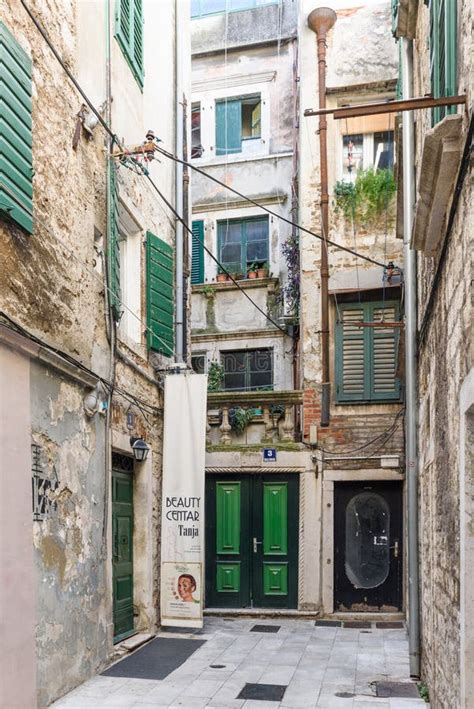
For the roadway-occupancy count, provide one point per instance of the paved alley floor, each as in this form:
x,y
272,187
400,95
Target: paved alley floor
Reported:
x,y
324,667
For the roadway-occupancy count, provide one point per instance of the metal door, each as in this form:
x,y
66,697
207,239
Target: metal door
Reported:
x,y
368,546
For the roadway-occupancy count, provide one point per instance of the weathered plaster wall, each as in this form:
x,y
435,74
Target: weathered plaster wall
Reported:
x,y
261,24
445,358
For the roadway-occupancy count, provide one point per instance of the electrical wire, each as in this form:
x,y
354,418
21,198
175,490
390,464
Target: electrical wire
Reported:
x,y
386,435
12,325
98,277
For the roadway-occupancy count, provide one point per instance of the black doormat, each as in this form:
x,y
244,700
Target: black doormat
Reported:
x,y
156,660
265,629
357,624
328,623
265,692
397,689
389,624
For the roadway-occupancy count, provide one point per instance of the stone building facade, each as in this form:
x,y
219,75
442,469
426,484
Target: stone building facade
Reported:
x,y
442,235
80,342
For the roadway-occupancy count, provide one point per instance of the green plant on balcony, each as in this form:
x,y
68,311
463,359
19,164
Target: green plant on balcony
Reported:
x,y
367,198
240,418
215,376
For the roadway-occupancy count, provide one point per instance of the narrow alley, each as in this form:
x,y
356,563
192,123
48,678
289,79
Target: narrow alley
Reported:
x,y
293,663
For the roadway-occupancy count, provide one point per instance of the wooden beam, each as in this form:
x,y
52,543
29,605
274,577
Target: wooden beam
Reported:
x,y
390,106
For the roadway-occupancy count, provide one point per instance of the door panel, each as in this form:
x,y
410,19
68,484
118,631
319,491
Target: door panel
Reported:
x,y
227,542
122,563
252,541
368,546
275,541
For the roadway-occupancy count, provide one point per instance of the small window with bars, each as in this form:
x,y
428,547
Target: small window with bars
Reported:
x,y
248,370
366,355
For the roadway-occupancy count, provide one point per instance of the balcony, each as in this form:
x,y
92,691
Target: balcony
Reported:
x,y
253,418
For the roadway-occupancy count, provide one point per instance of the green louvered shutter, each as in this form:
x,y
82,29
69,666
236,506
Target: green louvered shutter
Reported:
x,y
350,354
16,155
383,359
197,261
228,127
129,34
443,55
366,357
160,300
113,246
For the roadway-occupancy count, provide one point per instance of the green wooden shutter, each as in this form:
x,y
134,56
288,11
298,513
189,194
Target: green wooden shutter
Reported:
x,y
197,261
113,246
160,300
350,354
228,127
366,357
383,382
16,155
443,21
129,34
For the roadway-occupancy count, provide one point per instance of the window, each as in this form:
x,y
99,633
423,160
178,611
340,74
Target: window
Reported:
x,y
198,363
365,150
366,357
159,291
197,251
200,8
196,147
16,155
129,34
242,242
442,53
237,120
248,370
113,245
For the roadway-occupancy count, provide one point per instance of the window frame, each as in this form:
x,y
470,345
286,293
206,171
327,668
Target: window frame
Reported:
x,y
367,335
244,261
252,5
136,33
445,27
368,158
219,130
248,372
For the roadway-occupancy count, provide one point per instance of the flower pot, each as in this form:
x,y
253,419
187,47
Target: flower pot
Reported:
x,y
262,273
221,277
252,274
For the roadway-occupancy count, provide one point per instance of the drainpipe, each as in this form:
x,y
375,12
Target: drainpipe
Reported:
x,y
411,456
320,21
179,61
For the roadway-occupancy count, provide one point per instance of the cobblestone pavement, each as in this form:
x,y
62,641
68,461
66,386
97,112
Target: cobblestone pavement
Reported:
x,y
318,665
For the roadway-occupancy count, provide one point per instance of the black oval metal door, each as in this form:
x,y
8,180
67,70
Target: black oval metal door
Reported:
x,y
368,546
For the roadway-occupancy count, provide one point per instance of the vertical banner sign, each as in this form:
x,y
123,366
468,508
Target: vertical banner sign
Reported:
x,y
182,518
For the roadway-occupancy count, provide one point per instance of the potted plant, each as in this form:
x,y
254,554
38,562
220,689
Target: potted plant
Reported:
x,y
252,271
221,277
262,271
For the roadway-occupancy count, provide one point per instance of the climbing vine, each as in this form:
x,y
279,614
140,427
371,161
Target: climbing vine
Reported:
x,y
366,199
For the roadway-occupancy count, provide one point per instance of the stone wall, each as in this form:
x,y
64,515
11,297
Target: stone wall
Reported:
x,y
445,359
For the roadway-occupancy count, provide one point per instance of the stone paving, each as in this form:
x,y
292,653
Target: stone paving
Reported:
x,y
318,665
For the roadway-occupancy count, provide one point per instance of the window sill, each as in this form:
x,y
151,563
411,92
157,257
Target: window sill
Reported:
x,y
269,282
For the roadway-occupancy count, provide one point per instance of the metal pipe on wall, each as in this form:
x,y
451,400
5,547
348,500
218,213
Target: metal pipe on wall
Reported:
x,y
320,21
179,137
411,454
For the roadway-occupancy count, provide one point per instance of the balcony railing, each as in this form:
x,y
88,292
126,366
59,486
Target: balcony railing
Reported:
x,y
252,417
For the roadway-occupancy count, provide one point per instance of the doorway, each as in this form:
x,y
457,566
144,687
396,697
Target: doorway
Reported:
x,y
368,546
252,541
122,545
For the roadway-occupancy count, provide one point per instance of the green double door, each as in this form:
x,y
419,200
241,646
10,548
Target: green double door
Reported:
x,y
252,541
122,549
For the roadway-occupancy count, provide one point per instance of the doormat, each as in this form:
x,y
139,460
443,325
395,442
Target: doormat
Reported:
x,y
357,624
397,689
265,629
156,660
389,624
264,692
328,623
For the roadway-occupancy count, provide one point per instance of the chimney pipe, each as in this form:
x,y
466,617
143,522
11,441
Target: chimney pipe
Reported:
x,y
321,20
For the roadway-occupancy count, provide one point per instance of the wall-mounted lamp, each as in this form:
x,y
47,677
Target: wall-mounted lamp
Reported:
x,y
139,448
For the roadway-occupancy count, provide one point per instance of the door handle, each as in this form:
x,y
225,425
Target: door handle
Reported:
x,y
395,549
255,542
